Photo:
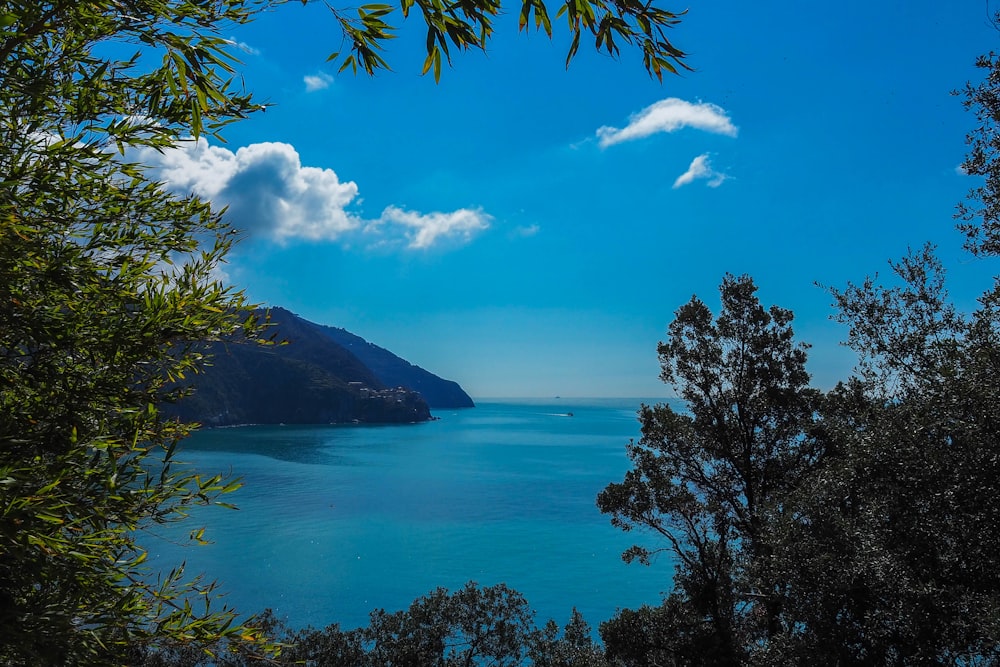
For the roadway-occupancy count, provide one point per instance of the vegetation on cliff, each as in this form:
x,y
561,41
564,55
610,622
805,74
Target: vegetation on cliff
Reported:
x,y
306,377
395,372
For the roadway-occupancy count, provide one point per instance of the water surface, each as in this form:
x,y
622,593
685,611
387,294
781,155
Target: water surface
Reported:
x,y
335,521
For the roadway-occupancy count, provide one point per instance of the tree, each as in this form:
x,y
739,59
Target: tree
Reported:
x,y
856,527
705,480
980,213
106,281
891,555
91,333
103,286
670,634
471,626
474,625
575,648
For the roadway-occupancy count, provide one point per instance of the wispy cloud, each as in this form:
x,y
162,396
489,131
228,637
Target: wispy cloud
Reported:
x,y
270,194
316,82
701,168
244,47
526,231
669,115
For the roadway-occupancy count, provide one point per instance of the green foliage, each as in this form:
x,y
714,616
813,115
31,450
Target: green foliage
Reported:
x,y
859,527
176,80
671,634
90,335
980,214
469,24
575,648
471,626
705,480
105,281
891,556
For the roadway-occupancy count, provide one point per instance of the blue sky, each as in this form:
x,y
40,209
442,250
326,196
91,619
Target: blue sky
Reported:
x,y
529,231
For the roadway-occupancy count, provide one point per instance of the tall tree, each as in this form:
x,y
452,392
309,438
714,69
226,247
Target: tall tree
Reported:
x,y
105,280
704,480
890,556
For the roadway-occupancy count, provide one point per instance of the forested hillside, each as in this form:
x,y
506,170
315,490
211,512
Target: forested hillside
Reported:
x,y
307,376
395,372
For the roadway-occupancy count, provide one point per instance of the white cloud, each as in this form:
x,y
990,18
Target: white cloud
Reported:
x,y
244,47
669,115
316,82
701,168
270,194
526,231
426,229
265,186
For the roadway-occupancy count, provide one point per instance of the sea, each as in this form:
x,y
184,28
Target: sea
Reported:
x,y
335,521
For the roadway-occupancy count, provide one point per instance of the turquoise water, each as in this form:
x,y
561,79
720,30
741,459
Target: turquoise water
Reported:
x,y
337,521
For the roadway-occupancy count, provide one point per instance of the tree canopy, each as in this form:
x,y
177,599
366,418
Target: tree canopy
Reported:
x,y
474,625
706,479
851,527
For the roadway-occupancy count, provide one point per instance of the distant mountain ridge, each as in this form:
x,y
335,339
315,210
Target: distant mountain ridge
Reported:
x,y
313,378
